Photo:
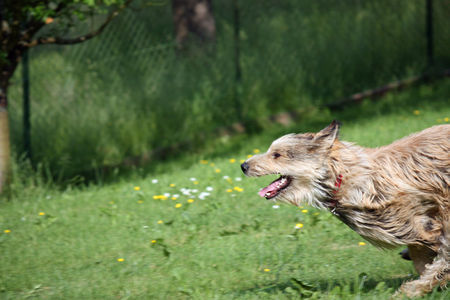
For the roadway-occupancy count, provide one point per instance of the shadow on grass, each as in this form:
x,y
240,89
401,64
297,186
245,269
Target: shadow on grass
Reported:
x,y
360,285
433,96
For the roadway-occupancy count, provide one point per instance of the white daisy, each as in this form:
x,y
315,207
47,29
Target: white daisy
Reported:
x,y
203,195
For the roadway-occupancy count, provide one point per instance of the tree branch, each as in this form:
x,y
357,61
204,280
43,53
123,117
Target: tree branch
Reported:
x,y
33,26
79,39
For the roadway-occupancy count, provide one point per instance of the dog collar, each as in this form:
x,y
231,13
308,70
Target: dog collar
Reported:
x,y
337,183
333,203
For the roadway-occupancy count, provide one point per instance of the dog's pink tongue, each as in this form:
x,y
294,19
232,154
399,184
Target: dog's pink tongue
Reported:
x,y
268,189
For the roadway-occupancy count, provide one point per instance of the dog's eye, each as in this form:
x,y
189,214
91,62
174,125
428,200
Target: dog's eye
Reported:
x,y
276,155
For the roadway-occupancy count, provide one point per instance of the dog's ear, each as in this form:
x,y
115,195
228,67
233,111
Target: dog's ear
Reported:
x,y
329,134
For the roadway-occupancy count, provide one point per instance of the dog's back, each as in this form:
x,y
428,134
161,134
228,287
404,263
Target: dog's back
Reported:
x,y
418,165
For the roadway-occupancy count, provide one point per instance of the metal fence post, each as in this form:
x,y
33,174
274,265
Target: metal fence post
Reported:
x,y
26,105
237,61
429,32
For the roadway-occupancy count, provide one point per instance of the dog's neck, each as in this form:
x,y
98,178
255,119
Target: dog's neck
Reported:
x,y
340,181
347,169
332,202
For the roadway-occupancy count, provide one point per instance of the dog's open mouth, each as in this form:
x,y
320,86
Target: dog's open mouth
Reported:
x,y
273,189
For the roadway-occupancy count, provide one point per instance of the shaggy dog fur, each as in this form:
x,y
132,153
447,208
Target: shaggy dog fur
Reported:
x,y
393,195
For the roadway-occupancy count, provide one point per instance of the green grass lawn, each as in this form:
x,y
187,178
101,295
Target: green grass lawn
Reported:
x,y
196,228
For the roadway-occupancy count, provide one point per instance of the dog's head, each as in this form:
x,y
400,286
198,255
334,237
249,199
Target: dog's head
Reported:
x,y
300,159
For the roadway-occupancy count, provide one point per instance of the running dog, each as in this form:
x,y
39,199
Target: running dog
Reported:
x,y
392,195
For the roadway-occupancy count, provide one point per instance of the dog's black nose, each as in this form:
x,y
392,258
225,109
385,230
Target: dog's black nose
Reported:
x,y
244,167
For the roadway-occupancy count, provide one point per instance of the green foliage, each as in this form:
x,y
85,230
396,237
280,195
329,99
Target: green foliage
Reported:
x,y
23,21
130,239
40,10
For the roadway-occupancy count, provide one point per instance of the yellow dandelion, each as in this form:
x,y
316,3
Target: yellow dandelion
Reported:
x,y
174,198
178,205
229,180
256,151
190,200
172,185
249,156
153,241
416,112
204,162
298,225
361,244
446,119
238,189
218,170
7,231
232,160
212,164
316,214
195,182
120,259
304,211
160,222
137,188
42,213
266,270
229,190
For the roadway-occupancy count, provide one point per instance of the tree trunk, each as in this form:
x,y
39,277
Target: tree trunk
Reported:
x,y
7,68
5,158
193,17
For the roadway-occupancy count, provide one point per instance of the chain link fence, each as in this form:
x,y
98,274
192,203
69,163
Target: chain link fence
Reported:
x,y
129,93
